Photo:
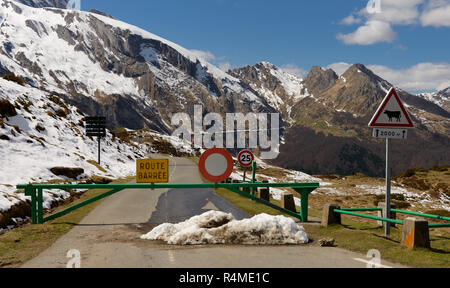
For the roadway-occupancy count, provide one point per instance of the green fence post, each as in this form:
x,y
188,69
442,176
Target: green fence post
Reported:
x,y
33,206
31,192
303,203
40,209
253,176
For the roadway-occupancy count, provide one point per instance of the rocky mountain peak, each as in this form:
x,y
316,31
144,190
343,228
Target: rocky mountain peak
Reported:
x,y
265,65
445,92
360,71
62,4
319,80
440,98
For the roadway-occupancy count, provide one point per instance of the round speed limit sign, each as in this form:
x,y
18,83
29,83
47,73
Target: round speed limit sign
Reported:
x,y
246,158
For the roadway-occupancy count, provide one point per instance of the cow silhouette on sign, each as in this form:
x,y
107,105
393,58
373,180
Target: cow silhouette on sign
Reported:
x,y
394,114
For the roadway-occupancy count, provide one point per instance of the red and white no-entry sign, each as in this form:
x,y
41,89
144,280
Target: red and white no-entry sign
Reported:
x,y
246,158
216,165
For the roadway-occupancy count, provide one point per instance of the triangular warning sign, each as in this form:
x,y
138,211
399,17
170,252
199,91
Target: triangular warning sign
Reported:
x,y
391,113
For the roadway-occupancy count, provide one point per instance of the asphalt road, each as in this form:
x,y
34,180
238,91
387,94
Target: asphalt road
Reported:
x,y
109,236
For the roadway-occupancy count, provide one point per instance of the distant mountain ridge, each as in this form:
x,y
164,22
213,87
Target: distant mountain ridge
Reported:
x,y
440,98
62,4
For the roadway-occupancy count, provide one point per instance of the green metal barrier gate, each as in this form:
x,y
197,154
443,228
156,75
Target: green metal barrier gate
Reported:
x,y
37,212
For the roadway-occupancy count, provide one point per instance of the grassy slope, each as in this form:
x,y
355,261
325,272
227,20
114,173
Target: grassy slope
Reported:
x,y
361,237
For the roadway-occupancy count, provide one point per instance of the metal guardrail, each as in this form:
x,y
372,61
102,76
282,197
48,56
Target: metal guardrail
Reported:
x,y
421,214
368,216
351,212
35,191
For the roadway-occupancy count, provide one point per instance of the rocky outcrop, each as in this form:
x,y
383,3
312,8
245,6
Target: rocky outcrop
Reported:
x,y
45,3
21,210
319,80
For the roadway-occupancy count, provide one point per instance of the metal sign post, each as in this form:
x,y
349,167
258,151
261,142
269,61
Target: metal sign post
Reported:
x,y
387,226
96,127
390,121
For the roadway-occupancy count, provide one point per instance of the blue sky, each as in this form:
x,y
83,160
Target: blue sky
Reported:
x,y
407,42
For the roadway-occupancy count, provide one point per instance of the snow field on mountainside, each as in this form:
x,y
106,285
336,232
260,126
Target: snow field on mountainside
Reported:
x,y
215,227
56,55
422,198
31,152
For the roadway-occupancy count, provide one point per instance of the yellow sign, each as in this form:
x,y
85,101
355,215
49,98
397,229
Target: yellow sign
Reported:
x,y
152,171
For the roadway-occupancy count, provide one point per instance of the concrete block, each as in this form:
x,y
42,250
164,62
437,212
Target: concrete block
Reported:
x,y
264,194
287,201
329,216
382,205
415,233
246,190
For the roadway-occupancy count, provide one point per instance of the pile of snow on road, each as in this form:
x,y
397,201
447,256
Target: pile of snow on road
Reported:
x,y
215,227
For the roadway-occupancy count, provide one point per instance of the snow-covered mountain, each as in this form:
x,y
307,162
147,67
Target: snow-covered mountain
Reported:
x,y
138,79
280,89
108,67
40,132
441,98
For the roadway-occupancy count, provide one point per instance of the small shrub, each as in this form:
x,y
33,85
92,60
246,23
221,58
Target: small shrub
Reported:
x,y
71,173
440,212
122,134
61,113
26,104
40,140
399,197
56,100
39,128
4,137
440,168
7,109
401,204
416,183
162,146
14,78
18,130
80,112
408,173
97,180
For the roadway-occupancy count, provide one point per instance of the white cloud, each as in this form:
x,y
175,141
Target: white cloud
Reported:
x,y
372,32
350,20
422,76
397,12
224,66
294,70
437,14
339,67
203,55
